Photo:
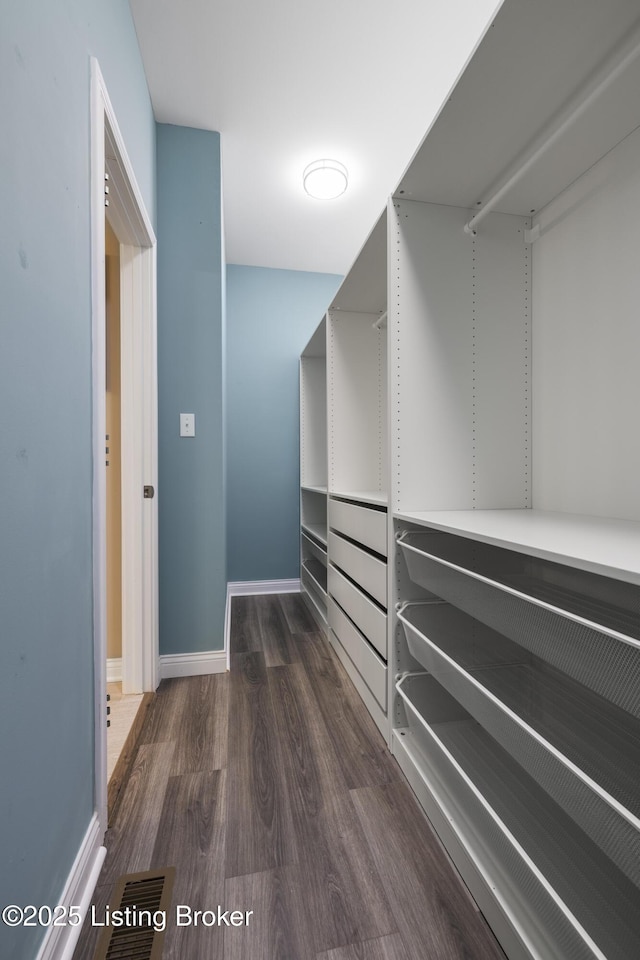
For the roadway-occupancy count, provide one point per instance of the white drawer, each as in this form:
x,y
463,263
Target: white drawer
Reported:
x,y
368,617
362,567
367,526
368,664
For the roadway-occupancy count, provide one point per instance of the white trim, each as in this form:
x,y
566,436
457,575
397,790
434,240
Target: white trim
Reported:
x,y
128,216
192,664
114,669
127,211
98,323
132,469
227,627
151,616
254,588
59,942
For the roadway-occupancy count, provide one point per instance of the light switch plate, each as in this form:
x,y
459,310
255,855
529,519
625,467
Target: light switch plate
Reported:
x,y
187,424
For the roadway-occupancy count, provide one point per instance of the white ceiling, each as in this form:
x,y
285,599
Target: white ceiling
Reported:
x,y
286,82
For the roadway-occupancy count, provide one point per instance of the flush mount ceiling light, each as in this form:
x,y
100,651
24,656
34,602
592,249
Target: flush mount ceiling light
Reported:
x,y
325,179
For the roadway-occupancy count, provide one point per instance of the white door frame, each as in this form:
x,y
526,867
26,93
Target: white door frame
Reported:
x,y
131,224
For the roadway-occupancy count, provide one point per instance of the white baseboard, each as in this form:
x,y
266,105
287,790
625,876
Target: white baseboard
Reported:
x,y
227,628
252,588
60,942
114,670
192,664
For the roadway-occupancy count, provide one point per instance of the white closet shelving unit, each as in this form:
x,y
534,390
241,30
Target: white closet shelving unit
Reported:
x,y
313,474
492,475
344,472
358,473
515,456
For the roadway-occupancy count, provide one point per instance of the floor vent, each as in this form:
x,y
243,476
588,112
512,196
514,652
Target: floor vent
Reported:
x,y
138,914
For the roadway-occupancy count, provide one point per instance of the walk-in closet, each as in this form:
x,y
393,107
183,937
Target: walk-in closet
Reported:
x,y
483,523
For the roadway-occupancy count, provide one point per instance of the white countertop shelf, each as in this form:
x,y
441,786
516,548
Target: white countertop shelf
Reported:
x,y
597,544
309,489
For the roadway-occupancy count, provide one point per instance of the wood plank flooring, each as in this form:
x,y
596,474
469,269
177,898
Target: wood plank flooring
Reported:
x,y
270,790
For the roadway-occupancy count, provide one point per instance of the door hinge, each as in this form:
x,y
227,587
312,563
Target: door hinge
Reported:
x,y
148,492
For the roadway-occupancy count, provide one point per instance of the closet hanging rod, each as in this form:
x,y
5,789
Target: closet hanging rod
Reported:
x,y
608,74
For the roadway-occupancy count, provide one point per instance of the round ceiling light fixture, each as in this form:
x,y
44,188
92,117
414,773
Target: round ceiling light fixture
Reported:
x,y
325,179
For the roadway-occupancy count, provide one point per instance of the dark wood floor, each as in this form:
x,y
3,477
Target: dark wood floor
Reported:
x,y
271,790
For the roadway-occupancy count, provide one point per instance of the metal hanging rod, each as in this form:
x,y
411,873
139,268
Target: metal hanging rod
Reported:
x,y
603,79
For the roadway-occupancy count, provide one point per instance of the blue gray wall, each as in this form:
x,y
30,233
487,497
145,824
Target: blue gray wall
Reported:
x,y
271,315
191,496
46,677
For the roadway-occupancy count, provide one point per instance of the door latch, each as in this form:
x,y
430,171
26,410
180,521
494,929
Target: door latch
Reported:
x,y
148,492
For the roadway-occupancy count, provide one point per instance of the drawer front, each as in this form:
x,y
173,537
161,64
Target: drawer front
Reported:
x,y
364,612
365,569
370,667
368,527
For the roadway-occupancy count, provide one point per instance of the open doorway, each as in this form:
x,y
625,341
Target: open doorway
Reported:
x,y
124,396
124,709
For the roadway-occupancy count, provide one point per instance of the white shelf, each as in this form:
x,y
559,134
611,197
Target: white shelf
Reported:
x,y
317,530
369,496
316,599
314,489
312,548
317,573
595,544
